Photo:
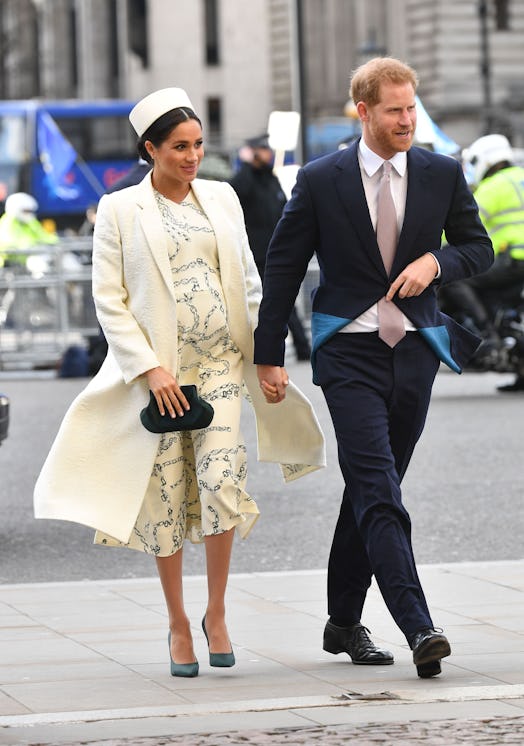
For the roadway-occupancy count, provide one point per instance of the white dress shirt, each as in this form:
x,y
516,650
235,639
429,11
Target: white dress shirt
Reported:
x,y
370,169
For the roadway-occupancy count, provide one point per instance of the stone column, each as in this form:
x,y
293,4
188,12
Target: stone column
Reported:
x,y
19,43
93,19
57,50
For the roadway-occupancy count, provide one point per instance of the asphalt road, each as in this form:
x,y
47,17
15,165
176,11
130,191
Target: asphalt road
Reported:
x,y
464,488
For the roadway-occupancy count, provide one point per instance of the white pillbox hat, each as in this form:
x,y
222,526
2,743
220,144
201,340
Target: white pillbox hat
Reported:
x,y
150,108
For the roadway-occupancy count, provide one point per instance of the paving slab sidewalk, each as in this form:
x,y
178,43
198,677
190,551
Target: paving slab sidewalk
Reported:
x,y
87,662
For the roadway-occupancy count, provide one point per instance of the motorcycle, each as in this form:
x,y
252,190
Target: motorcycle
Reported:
x,y
503,350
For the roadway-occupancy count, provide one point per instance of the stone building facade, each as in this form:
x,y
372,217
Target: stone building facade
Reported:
x,y
238,58
443,40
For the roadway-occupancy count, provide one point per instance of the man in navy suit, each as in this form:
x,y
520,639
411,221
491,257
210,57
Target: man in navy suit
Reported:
x,y
377,392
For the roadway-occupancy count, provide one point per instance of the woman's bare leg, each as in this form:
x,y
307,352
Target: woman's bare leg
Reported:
x,y
218,556
170,572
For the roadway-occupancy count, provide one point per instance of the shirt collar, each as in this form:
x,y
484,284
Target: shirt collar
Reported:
x,y
372,162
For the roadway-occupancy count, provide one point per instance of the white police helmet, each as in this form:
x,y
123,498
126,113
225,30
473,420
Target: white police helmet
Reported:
x,y
21,206
484,153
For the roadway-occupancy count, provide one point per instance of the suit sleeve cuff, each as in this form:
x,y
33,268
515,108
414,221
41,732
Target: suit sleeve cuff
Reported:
x,y
437,276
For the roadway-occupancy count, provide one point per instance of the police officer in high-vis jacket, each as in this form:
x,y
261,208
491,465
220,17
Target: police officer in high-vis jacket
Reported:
x,y
499,193
20,229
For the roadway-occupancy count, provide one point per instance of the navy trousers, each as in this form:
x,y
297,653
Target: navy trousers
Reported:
x,y
378,399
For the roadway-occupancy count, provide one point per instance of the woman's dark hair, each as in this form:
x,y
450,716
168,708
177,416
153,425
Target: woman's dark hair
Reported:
x,y
162,127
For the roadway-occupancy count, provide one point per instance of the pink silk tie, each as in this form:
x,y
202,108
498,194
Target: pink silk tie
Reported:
x,y
390,320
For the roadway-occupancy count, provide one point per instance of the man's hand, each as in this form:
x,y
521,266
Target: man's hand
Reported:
x,y
415,278
273,381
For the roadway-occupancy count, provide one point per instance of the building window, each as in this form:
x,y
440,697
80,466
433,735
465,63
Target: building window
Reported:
x,y
211,32
214,120
502,15
137,29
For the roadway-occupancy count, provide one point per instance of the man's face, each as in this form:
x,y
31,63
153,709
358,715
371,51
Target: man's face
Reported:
x,y
389,126
26,216
263,156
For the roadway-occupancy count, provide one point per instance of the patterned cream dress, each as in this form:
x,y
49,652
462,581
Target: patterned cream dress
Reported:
x,y
197,486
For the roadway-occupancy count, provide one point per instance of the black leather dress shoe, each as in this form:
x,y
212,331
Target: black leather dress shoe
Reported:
x,y
355,641
427,670
429,646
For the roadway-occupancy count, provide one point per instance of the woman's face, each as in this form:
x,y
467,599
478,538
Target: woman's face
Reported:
x,y
179,156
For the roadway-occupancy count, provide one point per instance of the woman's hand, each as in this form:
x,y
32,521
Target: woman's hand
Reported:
x,y
167,392
273,381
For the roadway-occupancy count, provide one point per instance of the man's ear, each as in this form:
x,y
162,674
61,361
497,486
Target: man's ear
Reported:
x,y
362,111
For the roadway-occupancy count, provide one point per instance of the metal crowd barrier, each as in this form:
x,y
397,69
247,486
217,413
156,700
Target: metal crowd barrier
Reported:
x,y
46,304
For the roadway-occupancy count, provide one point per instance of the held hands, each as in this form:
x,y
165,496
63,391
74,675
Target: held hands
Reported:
x,y
167,392
273,381
415,278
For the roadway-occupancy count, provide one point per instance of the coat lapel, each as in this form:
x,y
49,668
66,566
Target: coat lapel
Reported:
x,y
418,194
349,186
219,217
348,182
220,204
151,224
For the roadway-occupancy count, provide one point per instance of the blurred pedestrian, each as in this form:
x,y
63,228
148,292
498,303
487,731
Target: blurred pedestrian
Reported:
x,y
263,199
177,293
374,214
88,226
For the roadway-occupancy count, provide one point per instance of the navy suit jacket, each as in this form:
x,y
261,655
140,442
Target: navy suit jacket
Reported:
x,y
327,214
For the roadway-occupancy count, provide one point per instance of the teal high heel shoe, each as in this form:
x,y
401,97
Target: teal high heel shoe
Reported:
x,y
220,660
188,670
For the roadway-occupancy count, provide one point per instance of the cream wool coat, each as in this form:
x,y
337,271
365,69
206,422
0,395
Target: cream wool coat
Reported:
x,y
99,466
